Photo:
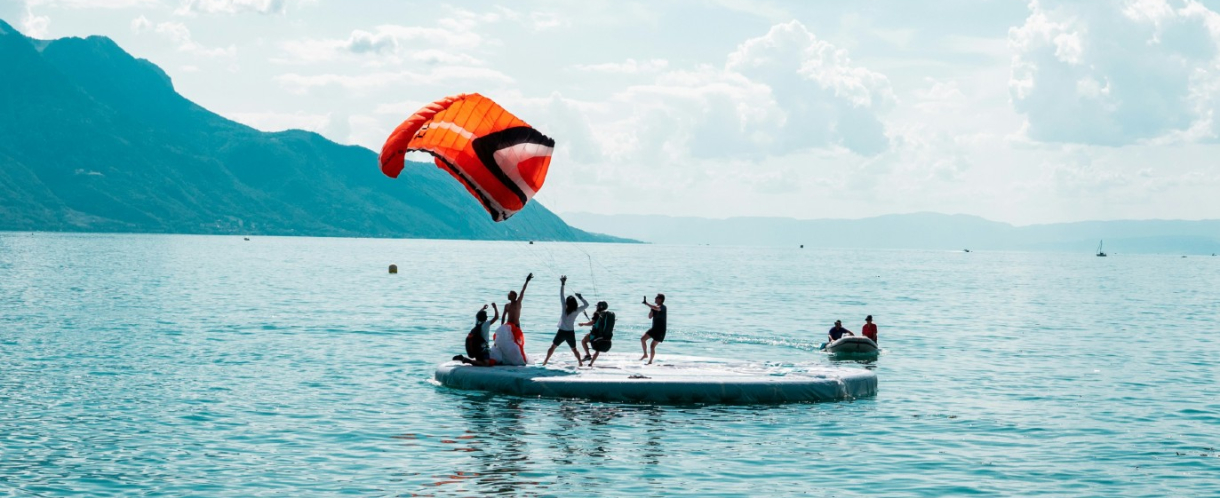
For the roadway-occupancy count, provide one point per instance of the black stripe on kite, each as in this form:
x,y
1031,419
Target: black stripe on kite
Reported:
x,y
486,146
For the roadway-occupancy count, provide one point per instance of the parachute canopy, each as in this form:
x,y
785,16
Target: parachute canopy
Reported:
x,y
500,159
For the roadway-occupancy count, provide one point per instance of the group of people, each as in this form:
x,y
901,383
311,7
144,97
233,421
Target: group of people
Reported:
x,y
507,345
869,330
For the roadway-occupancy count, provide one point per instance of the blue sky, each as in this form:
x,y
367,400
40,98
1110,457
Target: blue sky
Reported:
x,y
1023,112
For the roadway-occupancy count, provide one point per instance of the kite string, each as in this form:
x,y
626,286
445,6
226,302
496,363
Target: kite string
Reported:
x,y
589,257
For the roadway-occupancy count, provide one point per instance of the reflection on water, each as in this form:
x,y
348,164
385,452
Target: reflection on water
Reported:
x,y
564,446
213,366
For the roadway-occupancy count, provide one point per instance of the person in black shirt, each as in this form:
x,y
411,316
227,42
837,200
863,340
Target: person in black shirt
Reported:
x,y
602,335
478,339
657,313
838,331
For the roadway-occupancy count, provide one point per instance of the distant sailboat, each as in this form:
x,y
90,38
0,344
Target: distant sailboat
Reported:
x,y
1100,253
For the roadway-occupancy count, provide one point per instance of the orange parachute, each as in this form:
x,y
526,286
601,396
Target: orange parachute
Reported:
x,y
500,159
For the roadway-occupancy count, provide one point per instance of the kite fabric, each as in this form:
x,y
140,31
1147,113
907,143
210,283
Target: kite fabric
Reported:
x,y
499,158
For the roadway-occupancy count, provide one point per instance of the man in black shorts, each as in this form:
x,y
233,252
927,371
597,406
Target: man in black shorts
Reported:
x,y
657,332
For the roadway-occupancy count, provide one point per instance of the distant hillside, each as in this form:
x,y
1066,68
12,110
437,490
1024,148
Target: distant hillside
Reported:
x,y
914,231
93,139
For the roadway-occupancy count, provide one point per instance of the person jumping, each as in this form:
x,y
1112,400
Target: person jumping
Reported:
x,y
567,322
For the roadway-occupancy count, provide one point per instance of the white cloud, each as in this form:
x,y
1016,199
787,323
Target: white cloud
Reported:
x,y
192,7
824,98
1085,72
630,66
140,25
545,20
35,26
302,84
364,42
436,57
781,95
778,99
181,35
423,44
92,4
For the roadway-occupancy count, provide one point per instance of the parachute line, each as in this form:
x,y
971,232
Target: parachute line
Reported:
x,y
496,213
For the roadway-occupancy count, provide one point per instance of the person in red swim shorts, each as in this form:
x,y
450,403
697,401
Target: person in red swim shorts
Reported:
x,y
509,342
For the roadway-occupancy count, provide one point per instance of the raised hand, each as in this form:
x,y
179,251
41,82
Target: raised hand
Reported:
x,y
563,279
529,277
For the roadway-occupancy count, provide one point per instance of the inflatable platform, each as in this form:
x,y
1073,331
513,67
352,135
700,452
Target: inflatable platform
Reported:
x,y
669,380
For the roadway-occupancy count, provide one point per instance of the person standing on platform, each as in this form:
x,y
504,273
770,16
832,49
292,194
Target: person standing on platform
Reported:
x,y
657,312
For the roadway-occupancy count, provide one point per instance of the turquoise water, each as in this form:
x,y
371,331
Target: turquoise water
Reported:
x,y
135,365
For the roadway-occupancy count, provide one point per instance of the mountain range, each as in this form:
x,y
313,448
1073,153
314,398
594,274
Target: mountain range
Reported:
x,y
93,139
915,231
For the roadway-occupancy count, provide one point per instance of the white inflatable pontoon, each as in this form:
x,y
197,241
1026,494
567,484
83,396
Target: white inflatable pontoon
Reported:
x,y
856,345
670,379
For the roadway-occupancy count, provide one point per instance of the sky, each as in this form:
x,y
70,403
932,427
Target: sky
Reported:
x,y
1023,112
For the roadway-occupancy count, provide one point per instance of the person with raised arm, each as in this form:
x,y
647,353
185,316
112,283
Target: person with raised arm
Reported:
x,y
509,346
656,312
567,322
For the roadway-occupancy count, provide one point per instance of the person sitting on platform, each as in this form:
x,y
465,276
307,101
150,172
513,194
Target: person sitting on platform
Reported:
x,y
479,339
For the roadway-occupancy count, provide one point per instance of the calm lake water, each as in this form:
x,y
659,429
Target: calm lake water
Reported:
x,y
141,365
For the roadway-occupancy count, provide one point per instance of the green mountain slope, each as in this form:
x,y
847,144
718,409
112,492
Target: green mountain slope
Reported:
x,y
93,139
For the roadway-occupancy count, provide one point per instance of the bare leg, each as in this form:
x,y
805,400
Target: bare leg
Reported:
x,y
549,352
595,353
644,345
585,344
654,352
577,355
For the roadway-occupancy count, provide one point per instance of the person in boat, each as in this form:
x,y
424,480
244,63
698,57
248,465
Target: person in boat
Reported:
x,y
509,342
869,329
838,331
478,349
567,322
602,333
657,312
